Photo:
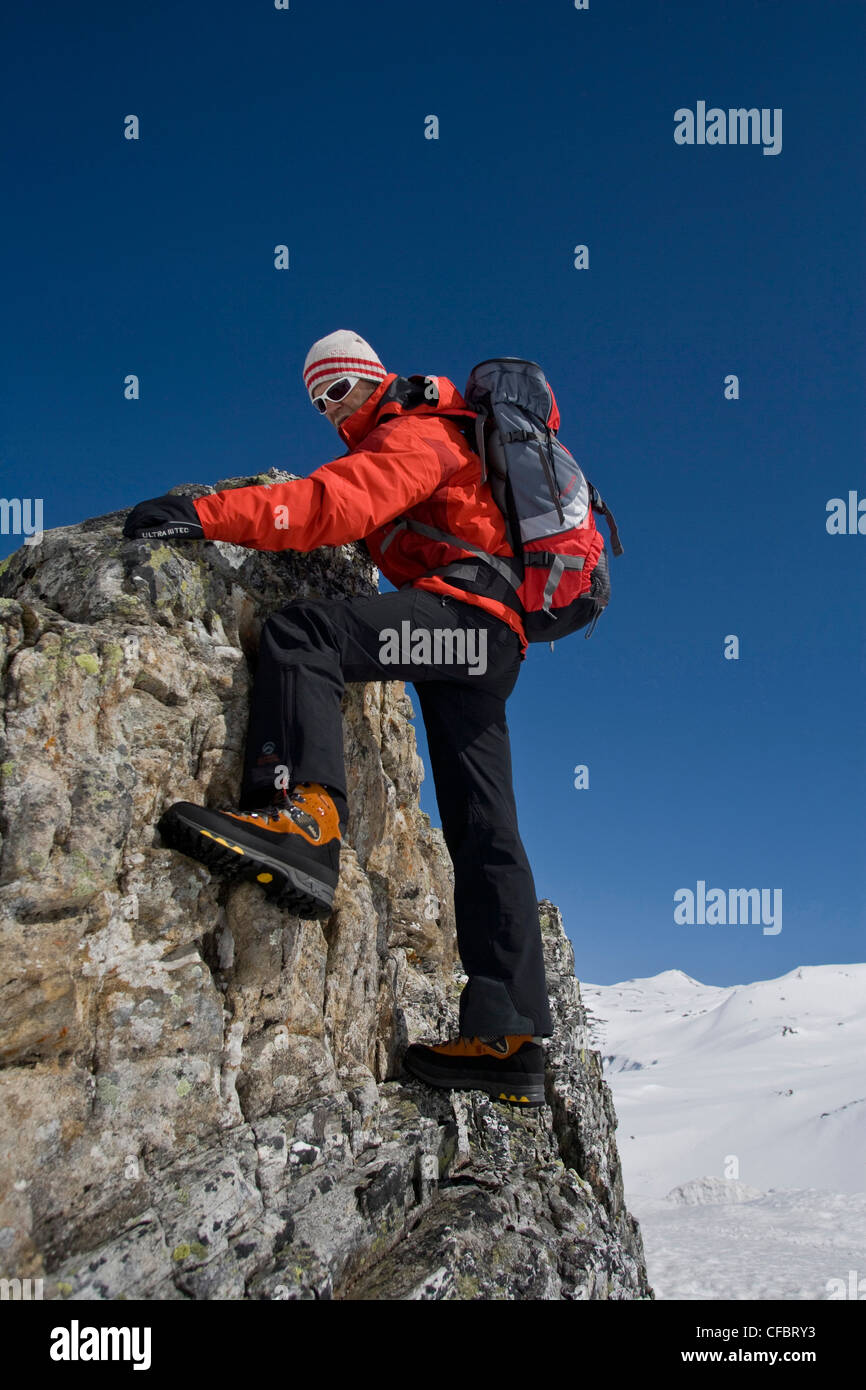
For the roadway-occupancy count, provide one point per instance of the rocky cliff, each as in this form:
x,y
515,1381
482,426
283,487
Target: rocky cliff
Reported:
x,y
200,1096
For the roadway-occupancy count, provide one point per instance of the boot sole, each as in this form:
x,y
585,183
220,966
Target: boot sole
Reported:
x,y
284,884
514,1089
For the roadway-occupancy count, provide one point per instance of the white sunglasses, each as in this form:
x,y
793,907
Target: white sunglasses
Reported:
x,y
337,391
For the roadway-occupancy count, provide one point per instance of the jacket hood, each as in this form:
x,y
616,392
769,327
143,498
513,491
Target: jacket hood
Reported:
x,y
398,395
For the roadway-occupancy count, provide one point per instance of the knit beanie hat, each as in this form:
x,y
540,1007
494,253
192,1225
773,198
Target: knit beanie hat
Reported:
x,y
343,351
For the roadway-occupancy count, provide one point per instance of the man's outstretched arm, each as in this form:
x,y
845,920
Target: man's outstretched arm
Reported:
x,y
339,502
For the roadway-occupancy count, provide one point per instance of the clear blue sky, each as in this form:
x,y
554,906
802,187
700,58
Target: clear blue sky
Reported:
x,y
306,127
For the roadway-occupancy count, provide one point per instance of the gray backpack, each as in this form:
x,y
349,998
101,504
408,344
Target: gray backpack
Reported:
x,y
545,500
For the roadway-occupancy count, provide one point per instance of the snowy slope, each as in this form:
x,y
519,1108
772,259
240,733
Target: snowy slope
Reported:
x,y
790,1244
742,1128
771,1075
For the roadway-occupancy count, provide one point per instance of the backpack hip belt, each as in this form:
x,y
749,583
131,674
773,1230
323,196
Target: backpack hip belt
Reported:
x,y
510,570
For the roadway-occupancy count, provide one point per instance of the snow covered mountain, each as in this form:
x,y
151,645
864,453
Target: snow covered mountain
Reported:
x,y
742,1129
765,1082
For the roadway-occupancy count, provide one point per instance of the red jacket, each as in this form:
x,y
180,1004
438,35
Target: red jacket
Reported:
x,y
415,464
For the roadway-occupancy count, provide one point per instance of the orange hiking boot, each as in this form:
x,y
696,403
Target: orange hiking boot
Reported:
x,y
506,1068
291,848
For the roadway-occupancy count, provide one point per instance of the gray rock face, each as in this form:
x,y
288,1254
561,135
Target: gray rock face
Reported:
x,y
201,1096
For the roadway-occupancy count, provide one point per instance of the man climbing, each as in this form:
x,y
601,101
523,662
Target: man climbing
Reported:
x,y
407,460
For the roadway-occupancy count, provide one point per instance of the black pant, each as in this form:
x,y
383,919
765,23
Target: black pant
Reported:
x,y
307,652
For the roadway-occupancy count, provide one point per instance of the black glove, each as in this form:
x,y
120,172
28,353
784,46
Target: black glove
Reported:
x,y
164,518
